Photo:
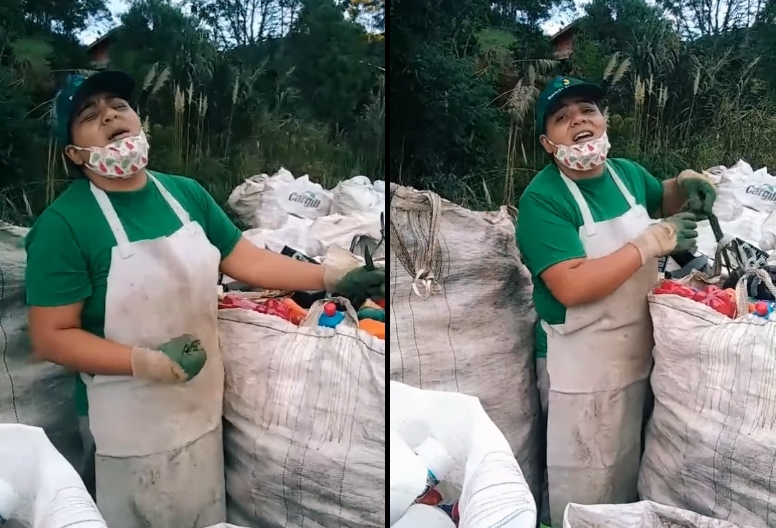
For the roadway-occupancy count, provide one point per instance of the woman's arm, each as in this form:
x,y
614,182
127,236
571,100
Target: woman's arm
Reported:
x,y
265,269
582,281
57,336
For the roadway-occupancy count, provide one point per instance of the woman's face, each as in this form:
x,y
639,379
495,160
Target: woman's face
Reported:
x,y
99,121
574,120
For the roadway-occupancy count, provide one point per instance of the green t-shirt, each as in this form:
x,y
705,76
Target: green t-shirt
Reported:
x,y
549,221
69,247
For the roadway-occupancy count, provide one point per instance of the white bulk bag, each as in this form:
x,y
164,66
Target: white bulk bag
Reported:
x,y
38,487
711,443
644,514
341,230
302,198
462,316
357,196
252,203
31,392
494,493
304,436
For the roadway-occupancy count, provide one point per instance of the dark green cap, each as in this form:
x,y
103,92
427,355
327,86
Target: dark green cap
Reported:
x,y
79,87
561,87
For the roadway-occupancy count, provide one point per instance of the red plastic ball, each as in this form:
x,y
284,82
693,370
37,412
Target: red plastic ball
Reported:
x,y
330,309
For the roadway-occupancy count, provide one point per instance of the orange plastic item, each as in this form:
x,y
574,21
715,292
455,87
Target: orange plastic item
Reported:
x,y
297,312
732,293
375,328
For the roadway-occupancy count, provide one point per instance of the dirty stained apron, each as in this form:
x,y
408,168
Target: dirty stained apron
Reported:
x,y
598,364
159,448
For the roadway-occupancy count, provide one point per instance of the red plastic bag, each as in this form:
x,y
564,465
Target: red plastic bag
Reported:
x,y
235,301
718,299
670,287
711,296
269,307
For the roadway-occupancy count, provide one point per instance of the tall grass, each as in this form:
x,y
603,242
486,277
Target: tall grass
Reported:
x,y
683,114
178,122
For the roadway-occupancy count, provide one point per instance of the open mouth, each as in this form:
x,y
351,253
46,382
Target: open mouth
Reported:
x,y
121,133
583,136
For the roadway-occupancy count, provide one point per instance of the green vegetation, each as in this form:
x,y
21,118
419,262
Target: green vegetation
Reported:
x,y
689,87
229,89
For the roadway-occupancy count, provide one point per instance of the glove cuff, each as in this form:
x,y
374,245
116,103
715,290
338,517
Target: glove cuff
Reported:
x,y
689,174
154,365
657,241
332,277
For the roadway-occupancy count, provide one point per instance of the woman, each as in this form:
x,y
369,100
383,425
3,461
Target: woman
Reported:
x,y
121,281
586,234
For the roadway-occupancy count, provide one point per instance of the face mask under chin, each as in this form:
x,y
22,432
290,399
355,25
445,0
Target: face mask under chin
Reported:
x,y
584,156
119,160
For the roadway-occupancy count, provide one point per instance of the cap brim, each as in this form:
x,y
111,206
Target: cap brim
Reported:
x,y
115,83
595,92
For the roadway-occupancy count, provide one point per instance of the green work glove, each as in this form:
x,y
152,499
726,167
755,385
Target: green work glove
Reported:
x,y
674,233
359,283
700,190
176,361
378,314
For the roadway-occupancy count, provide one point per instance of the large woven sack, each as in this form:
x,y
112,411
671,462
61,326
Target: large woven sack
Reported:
x,y
644,514
462,318
711,442
31,392
304,436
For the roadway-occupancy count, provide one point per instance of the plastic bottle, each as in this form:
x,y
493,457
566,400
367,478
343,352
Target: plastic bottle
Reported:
x,y
330,317
424,516
9,501
763,309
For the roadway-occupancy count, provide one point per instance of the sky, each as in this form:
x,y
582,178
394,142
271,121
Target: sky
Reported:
x,y
117,7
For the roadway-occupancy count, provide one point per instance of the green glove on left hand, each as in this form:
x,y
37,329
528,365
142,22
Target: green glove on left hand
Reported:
x,y
358,283
700,190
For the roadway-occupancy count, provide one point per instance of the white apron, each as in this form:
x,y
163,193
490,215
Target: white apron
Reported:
x,y
599,362
159,449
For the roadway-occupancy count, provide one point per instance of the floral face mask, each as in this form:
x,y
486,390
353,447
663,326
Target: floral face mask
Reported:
x,y
584,156
120,159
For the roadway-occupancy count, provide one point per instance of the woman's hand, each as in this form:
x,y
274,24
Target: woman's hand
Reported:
x,y
700,191
359,283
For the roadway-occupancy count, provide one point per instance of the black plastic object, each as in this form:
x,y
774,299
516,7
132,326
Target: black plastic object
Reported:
x,y
739,255
756,287
700,263
298,255
306,300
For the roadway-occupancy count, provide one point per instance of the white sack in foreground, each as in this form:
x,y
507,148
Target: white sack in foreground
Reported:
x,y
711,443
304,437
38,487
644,514
474,334
31,392
494,493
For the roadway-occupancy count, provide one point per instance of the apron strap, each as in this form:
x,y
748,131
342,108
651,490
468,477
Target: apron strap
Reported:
x,y
125,248
587,216
623,189
177,208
